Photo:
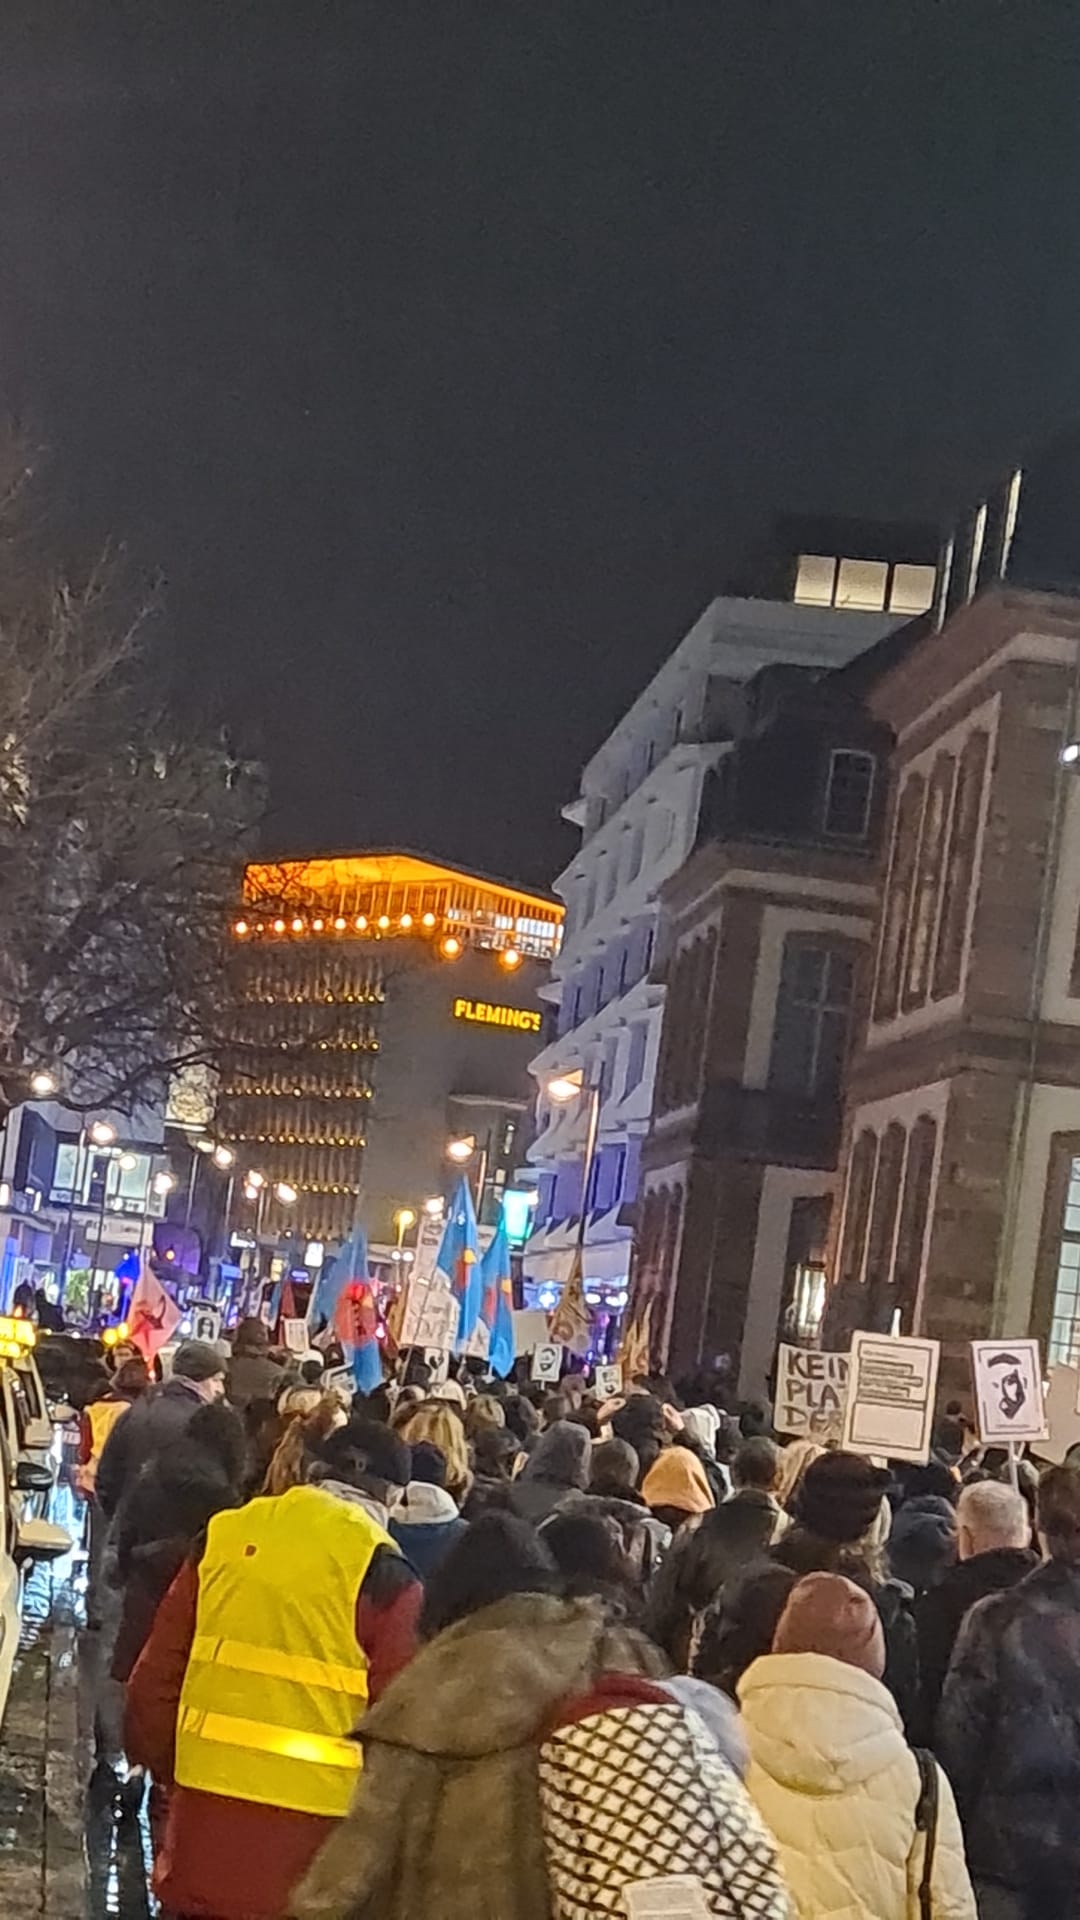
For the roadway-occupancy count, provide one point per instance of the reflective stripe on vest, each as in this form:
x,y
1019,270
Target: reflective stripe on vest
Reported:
x,y
275,1681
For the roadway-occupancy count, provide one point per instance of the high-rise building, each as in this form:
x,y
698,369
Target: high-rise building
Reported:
x,y
389,1003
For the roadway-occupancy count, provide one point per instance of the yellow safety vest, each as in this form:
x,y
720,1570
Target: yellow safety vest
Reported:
x,y
275,1680
103,1416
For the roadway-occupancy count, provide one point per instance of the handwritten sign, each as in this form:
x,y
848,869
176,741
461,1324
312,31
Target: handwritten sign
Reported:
x,y
431,1316
811,1393
890,1398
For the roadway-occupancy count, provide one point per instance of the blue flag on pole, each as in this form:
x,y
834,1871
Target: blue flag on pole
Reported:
x,y
355,1315
498,1308
334,1276
458,1260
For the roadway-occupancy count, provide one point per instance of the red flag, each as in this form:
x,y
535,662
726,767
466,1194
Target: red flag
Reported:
x,y
356,1318
153,1315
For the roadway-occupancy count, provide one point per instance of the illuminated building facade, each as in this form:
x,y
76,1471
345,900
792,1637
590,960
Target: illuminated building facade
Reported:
x,y
388,1003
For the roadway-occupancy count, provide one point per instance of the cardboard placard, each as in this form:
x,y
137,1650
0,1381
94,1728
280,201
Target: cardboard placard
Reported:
x,y
530,1329
294,1336
547,1364
811,1393
206,1324
1008,1391
1062,1406
890,1399
438,1359
431,1316
608,1381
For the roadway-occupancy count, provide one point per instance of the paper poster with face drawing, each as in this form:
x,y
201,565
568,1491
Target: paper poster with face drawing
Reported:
x,y
1009,1391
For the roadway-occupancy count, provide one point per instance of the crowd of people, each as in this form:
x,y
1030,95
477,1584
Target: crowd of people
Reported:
x,y
477,1651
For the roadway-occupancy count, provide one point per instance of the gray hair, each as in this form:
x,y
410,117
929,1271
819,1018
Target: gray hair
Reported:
x,y
995,1516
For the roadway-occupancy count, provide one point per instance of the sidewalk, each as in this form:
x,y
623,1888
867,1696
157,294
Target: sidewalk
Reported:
x,y
63,1855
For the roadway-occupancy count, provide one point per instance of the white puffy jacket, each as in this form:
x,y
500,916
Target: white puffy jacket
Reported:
x,y
838,1785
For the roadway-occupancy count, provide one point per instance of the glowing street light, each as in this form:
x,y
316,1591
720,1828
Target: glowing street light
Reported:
x,y
565,1087
255,1179
102,1134
163,1183
404,1218
434,1207
223,1157
287,1195
461,1151
43,1084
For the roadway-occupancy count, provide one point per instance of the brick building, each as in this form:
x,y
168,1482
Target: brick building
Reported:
x,y
961,1160
949,933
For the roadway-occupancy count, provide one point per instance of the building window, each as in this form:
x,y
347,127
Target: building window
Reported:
x,y
861,584
879,1246
894,920
860,1185
1063,1348
848,794
912,589
650,756
914,1215
635,847
815,581
926,895
635,1059
959,866
812,1008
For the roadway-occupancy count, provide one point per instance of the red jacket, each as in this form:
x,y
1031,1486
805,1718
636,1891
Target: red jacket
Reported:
x,y
233,1859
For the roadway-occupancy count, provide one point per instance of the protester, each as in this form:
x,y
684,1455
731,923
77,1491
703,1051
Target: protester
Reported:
x,y
922,1542
640,1422
589,1553
159,1417
441,1427
698,1566
253,1375
795,1458
482,1412
739,1625
426,1522
494,1458
522,1420
993,1545
299,1444
676,1488
613,1472
96,1423
755,1471
261,1660
842,1526
163,1515
558,1465
703,1431
831,1771
515,1770
1008,1731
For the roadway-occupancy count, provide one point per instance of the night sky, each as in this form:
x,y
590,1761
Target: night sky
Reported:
x,y
445,355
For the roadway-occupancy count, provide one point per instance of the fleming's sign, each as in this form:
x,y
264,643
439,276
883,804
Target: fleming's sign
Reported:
x,y
522,1019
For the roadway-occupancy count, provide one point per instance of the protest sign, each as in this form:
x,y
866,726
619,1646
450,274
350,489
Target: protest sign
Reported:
x,y
431,1316
530,1329
294,1336
206,1324
547,1364
1008,1391
608,1381
890,1398
811,1391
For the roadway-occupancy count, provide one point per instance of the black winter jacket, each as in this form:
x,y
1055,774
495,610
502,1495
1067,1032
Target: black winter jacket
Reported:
x,y
1009,1738
939,1615
155,1421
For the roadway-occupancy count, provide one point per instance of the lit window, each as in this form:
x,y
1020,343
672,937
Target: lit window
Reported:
x,y
861,584
815,580
848,794
912,589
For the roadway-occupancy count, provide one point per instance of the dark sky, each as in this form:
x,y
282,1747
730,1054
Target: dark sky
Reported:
x,y
445,353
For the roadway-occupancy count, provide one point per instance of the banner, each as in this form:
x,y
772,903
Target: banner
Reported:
x,y
811,1393
431,1316
1008,1391
890,1398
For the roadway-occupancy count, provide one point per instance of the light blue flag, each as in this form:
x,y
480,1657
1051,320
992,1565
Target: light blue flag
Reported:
x,y
458,1260
497,1291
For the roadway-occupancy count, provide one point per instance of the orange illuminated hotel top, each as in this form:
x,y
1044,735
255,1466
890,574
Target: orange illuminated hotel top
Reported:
x,y
382,895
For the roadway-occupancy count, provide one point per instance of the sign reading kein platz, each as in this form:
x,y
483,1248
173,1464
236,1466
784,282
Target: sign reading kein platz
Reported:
x,y
811,1391
890,1401
1009,1390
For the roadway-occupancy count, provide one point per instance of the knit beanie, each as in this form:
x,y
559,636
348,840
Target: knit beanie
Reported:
x,y
827,1614
841,1496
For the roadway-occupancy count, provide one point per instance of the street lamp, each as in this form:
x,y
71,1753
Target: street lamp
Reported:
x,y
287,1195
404,1218
434,1207
43,1084
564,1088
102,1134
223,1157
461,1152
